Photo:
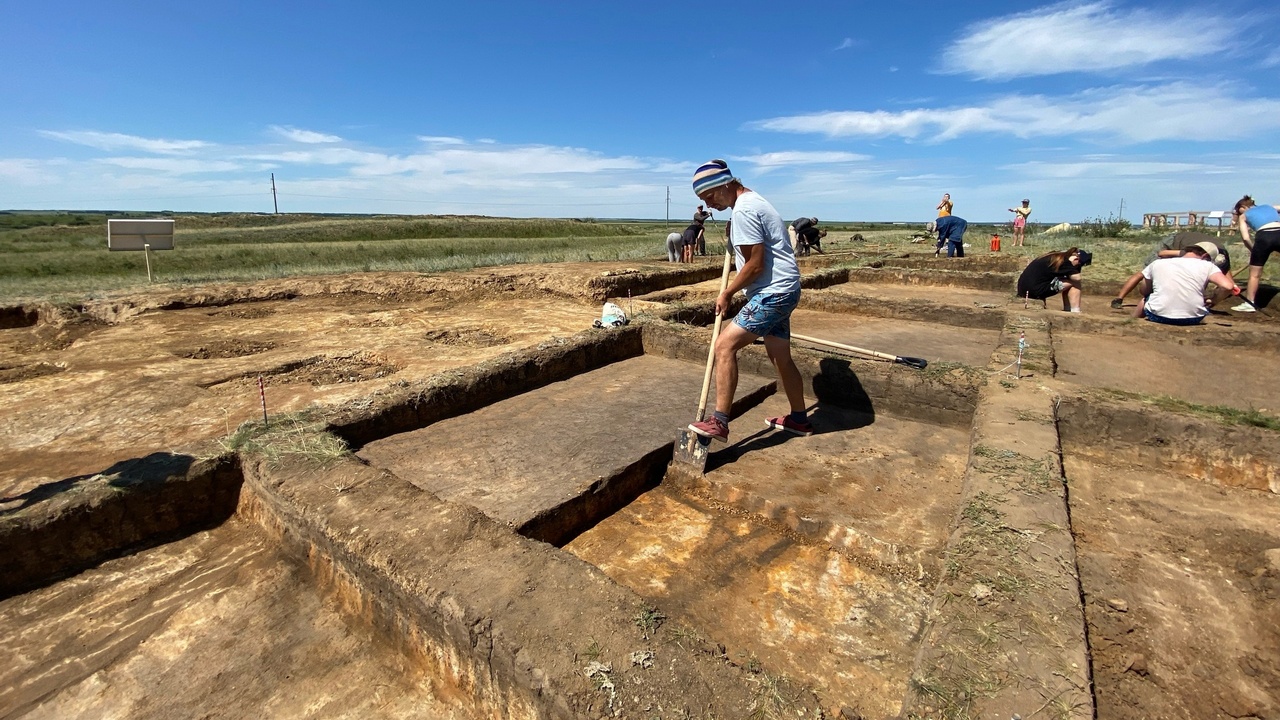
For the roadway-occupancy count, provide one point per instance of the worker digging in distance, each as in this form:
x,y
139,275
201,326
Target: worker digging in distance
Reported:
x,y
1172,246
1173,287
951,234
701,217
770,278
1264,222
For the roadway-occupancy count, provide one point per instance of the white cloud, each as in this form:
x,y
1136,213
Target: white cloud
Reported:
x,y
1273,59
1118,169
118,141
1090,37
310,137
788,158
1175,111
441,140
177,166
845,44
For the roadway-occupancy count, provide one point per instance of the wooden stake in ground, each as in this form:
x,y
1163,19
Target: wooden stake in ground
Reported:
x,y
262,393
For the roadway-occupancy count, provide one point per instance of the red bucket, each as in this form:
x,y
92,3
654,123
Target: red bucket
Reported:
x,y
995,243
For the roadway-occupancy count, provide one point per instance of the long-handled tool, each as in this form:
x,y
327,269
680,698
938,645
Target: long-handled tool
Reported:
x,y
915,362
691,448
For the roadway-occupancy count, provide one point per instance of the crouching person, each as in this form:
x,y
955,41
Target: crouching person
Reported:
x,y
1173,288
1055,273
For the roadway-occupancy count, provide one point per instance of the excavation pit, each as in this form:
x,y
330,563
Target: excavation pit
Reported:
x,y
506,541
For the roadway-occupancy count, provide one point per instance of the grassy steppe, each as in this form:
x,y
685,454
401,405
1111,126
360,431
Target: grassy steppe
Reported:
x,y
63,256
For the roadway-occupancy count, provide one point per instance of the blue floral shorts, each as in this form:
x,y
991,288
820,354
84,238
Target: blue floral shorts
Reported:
x,y
769,314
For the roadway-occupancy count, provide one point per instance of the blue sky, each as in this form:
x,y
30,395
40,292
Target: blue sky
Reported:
x,y
844,110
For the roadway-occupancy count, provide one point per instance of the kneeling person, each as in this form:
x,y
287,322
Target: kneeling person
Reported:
x,y
1173,288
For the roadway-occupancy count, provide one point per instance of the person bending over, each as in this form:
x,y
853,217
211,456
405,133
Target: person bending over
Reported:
x,y
770,278
675,247
951,232
1055,273
1172,246
1260,231
689,239
1173,287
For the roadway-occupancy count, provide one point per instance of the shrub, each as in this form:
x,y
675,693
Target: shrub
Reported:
x,y
1100,227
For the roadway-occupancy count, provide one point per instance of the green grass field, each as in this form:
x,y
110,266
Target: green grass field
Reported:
x,y
62,257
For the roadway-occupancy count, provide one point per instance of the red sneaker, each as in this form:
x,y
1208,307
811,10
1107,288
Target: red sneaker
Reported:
x,y
803,429
711,428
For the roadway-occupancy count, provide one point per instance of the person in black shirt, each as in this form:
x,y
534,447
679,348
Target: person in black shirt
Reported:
x,y
1056,273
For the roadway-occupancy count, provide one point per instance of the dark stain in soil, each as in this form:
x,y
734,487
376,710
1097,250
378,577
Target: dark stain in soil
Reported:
x,y
18,373
225,349
478,337
317,371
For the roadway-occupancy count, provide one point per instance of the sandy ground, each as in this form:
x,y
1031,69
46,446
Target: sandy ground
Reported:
x,y
811,555
218,624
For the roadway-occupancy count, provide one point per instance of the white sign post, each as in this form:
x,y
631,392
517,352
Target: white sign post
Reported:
x,y
144,235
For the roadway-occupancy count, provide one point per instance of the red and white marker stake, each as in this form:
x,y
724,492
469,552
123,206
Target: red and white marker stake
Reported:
x,y
262,393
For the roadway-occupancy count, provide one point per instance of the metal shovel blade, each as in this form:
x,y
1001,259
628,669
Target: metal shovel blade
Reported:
x,y
691,452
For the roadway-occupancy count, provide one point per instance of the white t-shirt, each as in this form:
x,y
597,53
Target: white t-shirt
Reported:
x,y
755,222
1177,286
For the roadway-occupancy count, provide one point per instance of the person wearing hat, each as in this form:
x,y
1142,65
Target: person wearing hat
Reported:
x,y
1173,287
770,278
701,217
1020,215
1172,246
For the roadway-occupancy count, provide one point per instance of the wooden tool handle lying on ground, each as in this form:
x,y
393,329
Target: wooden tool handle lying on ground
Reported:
x,y
918,363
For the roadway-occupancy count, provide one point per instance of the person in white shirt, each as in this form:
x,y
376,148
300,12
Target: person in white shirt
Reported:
x,y
1173,288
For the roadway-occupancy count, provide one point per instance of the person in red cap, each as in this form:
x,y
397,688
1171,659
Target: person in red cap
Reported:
x,y
770,278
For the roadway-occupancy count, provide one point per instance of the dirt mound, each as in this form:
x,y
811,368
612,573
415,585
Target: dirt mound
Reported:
x,y
244,313
316,371
224,349
478,337
18,373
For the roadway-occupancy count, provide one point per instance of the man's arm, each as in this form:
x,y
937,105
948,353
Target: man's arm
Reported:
x,y
752,266
1223,281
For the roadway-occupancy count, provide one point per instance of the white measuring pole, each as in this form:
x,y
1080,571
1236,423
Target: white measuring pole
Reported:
x,y
146,252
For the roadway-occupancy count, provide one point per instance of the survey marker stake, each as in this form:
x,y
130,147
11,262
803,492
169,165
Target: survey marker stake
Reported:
x,y
691,448
262,393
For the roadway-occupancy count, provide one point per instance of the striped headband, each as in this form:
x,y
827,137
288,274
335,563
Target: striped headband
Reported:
x,y
712,174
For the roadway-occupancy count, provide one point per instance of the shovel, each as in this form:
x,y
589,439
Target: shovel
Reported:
x,y
915,362
691,448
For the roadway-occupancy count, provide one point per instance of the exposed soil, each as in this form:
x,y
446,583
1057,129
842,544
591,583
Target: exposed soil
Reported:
x,y
27,372
815,558
1182,594
219,624
224,349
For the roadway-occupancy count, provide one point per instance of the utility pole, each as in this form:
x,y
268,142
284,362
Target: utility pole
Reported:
x,y
668,204
274,202
1121,208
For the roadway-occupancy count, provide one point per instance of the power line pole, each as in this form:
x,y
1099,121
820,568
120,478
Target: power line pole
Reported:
x,y
274,202
1121,208
668,204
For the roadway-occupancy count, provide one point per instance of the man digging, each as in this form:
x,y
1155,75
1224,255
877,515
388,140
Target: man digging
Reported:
x,y
770,278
